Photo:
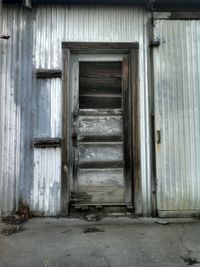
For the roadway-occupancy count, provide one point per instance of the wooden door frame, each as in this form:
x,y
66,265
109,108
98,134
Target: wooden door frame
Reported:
x,y
130,49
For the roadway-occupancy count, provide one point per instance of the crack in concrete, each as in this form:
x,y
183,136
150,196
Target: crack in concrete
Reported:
x,y
182,241
187,258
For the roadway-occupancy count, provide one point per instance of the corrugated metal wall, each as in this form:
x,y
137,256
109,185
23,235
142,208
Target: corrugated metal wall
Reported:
x,y
31,107
177,114
96,24
15,116
46,187
45,195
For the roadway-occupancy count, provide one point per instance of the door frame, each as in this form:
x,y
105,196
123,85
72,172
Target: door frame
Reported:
x,y
134,151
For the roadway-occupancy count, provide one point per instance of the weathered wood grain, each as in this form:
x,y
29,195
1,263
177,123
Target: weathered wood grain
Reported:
x,y
100,69
100,102
105,195
66,141
100,112
97,47
127,123
94,152
100,126
136,132
92,178
99,85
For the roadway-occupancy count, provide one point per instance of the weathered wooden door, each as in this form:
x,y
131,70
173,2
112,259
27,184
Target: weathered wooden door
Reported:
x,y
100,133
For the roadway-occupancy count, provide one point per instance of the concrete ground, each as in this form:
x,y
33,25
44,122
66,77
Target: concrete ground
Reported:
x,y
121,242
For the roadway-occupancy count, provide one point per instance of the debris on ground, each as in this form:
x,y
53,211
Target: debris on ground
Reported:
x,y
196,216
163,222
93,217
13,220
190,261
13,229
24,210
93,230
66,231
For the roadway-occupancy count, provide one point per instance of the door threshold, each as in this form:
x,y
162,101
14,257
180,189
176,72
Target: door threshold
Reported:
x,y
79,205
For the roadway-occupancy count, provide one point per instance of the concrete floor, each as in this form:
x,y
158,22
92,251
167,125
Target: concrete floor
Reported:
x,y
125,242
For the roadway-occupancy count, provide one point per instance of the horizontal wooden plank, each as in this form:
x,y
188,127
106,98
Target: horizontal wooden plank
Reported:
x,y
105,195
100,112
100,69
48,73
97,47
101,164
46,142
100,138
185,15
91,178
100,152
99,102
99,85
119,205
82,197
100,126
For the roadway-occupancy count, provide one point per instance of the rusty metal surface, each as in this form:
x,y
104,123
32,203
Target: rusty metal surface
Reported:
x,y
177,114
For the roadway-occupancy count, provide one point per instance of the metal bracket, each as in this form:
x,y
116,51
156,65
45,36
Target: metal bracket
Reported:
x,y
5,37
154,43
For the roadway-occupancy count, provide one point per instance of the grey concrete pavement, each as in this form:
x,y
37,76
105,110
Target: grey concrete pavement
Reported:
x,y
123,242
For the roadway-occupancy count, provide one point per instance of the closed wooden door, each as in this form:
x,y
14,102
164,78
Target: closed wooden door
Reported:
x,y
100,135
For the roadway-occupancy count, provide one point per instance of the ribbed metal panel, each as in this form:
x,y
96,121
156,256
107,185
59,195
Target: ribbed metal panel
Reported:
x,y
15,88
97,24
47,111
177,114
86,24
45,196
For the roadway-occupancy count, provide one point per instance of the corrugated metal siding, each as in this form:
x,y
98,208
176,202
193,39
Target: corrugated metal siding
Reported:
x,y
47,111
177,114
15,118
97,24
46,187
22,115
45,196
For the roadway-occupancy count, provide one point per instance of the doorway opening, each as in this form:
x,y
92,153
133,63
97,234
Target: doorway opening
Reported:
x,y
98,158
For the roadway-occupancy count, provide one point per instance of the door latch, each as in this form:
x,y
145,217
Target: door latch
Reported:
x,y
75,115
158,137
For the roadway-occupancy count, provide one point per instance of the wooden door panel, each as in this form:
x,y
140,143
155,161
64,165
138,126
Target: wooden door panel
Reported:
x,y
99,162
100,127
97,154
105,195
112,92
91,178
